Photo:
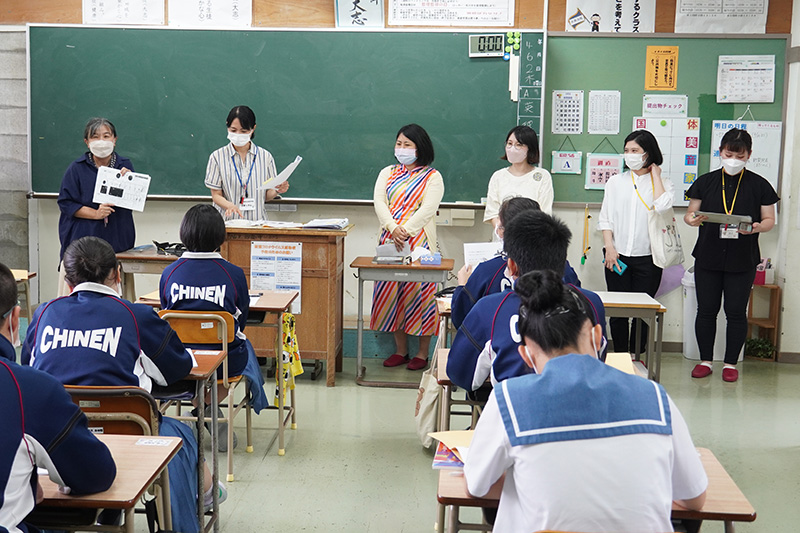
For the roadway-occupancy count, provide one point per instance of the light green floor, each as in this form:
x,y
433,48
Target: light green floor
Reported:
x,y
354,464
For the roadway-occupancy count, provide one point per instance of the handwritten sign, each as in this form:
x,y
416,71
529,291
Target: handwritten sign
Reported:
x,y
661,70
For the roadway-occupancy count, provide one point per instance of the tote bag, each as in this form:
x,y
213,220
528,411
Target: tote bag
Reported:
x,y
665,241
426,413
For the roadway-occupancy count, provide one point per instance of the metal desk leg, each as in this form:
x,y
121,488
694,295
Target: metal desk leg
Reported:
x,y
201,409
281,383
360,341
638,342
730,527
659,345
440,518
128,287
651,324
214,458
444,407
452,519
129,521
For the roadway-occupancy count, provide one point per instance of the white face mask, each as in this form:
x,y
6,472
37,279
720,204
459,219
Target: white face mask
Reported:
x,y
100,148
239,139
634,161
497,233
733,166
516,155
405,156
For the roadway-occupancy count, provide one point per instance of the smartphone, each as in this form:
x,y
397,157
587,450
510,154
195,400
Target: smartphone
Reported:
x,y
618,270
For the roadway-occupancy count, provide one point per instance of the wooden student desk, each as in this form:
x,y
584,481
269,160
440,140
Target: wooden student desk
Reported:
x,y
147,262
139,461
639,305
724,500
370,271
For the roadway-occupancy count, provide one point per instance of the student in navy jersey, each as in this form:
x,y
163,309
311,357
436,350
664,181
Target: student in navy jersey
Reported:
x,y
486,344
201,280
491,276
40,426
94,337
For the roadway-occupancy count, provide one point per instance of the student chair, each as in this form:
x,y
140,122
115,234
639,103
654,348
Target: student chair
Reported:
x,y
193,327
118,411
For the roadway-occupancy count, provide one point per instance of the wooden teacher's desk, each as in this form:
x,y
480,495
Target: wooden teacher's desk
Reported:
x,y
139,461
319,325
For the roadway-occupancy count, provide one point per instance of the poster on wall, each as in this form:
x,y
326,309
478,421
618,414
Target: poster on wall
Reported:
x,y
603,117
356,14
721,16
211,14
600,168
123,12
566,162
567,112
661,68
765,159
679,141
745,79
277,266
620,16
665,105
451,13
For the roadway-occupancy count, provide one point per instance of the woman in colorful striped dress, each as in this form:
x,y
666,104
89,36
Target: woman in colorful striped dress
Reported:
x,y
406,198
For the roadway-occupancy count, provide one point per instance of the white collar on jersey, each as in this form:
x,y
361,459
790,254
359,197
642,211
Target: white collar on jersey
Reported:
x,y
201,255
95,287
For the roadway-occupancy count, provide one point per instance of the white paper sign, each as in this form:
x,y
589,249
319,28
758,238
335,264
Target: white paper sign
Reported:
x,y
123,12
356,14
283,176
566,162
277,266
451,13
600,168
665,105
721,16
622,16
567,112
604,112
478,252
746,79
211,13
128,191
766,157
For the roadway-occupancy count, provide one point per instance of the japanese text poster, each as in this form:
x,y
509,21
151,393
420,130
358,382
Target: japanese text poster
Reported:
x,y
661,69
600,168
277,266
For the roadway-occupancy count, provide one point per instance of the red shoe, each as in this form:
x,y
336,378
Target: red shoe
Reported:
x,y
417,363
730,375
395,360
702,371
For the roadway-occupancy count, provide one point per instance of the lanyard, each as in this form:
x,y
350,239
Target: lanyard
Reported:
x,y
250,175
724,200
635,188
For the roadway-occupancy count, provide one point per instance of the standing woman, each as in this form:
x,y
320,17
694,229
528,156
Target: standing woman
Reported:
x,y
80,216
236,171
726,255
406,198
522,178
623,220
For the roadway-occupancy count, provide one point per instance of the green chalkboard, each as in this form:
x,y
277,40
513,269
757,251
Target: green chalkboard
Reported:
x,y
336,98
618,63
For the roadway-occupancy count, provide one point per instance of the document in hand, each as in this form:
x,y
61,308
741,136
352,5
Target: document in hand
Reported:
x,y
128,191
283,176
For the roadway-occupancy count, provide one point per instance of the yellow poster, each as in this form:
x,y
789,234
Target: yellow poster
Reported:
x,y
661,71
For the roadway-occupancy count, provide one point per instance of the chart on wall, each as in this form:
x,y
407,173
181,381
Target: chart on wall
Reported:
x,y
766,157
679,141
531,76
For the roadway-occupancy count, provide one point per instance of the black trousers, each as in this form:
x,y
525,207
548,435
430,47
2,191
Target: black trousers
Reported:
x,y
640,276
711,286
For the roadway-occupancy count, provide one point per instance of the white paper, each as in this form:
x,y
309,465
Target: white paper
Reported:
x,y
354,14
128,191
282,224
478,252
244,223
389,250
721,16
282,176
766,157
277,266
123,12
679,141
211,13
254,298
567,112
451,13
665,105
621,16
327,223
746,79
418,253
604,112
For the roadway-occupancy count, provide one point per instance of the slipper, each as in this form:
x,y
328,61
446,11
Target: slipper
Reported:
x,y
395,360
730,375
701,371
417,363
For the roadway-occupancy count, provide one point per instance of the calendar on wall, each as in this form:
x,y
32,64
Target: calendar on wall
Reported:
x,y
567,112
742,79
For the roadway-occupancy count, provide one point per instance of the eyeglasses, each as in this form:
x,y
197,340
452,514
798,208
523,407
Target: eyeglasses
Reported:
x,y
516,146
5,315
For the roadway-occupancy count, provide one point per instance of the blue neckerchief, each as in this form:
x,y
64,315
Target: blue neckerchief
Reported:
x,y
578,397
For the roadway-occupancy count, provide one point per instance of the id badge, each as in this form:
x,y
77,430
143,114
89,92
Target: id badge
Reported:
x,y
248,204
728,231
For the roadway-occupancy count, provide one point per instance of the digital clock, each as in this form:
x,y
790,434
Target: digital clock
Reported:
x,y
489,45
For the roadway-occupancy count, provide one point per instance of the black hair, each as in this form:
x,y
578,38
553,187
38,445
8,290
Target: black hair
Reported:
x,y
551,313
649,144
8,291
202,229
514,206
89,259
736,140
525,135
537,241
420,138
94,124
246,118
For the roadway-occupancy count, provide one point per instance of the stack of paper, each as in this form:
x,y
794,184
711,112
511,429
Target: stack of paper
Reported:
x,y
327,223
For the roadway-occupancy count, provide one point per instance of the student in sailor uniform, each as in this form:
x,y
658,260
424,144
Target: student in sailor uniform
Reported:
x,y
626,453
201,280
490,276
94,337
486,343
40,426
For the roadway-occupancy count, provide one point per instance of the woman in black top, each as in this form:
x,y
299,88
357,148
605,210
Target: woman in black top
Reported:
x,y
726,255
